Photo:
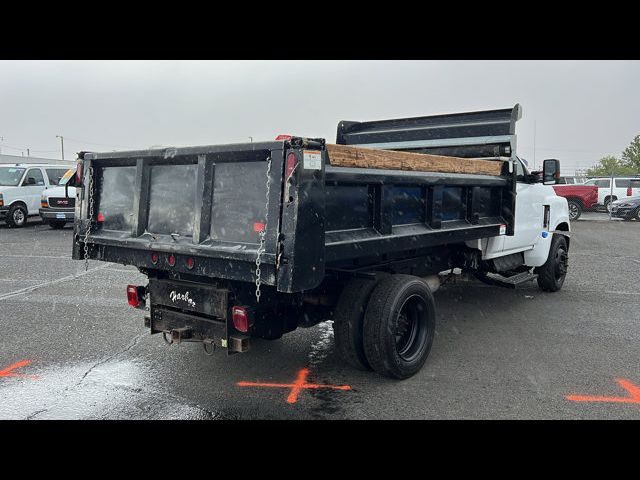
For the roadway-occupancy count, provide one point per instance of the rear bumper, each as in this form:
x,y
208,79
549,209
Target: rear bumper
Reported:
x,y
51,214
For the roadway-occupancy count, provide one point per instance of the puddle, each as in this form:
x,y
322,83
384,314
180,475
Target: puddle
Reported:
x,y
113,390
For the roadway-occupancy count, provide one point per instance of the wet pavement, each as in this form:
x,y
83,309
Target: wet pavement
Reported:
x,y
73,349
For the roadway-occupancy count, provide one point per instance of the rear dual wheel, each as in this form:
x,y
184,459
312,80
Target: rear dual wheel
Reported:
x,y
393,335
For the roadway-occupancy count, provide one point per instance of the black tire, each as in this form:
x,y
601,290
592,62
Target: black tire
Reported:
x,y
348,321
575,210
399,325
637,214
17,216
56,224
607,201
551,275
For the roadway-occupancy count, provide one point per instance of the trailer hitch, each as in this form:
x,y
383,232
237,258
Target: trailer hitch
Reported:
x,y
178,335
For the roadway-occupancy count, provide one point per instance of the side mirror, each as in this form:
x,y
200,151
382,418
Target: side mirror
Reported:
x,y
551,171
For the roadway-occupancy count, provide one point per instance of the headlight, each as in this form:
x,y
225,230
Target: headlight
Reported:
x,y
1,201
44,202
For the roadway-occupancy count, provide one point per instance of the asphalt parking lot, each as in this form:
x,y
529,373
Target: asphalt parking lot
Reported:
x,y
73,349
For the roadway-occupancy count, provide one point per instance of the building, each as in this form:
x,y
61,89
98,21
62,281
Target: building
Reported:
x,y
20,159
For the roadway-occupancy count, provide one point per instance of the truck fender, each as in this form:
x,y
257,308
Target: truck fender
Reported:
x,y
558,224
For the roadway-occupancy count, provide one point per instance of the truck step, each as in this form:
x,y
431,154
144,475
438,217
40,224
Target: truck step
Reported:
x,y
514,280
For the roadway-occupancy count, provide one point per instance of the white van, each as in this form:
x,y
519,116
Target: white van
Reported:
x,y
21,186
622,187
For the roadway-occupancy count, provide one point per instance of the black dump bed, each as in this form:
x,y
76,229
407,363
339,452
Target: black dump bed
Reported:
x,y
210,203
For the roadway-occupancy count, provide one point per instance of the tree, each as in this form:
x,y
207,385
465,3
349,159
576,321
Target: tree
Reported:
x,y
631,154
609,164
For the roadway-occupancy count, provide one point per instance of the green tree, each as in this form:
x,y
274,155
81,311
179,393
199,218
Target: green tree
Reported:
x,y
608,164
631,155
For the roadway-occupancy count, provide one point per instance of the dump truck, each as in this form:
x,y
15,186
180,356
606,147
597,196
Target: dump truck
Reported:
x,y
254,240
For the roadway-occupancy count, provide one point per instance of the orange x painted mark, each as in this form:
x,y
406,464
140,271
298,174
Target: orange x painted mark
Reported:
x,y
8,372
296,387
634,392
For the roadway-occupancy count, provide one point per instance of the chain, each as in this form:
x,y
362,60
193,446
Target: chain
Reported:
x,y
89,219
263,234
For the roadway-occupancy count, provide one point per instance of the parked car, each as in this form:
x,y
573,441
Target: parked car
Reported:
x,y
622,187
571,180
21,187
57,205
579,198
626,208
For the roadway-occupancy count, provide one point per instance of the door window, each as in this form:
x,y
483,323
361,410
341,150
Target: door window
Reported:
x,y
603,183
36,175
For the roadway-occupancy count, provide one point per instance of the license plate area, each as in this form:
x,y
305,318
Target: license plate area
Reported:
x,y
191,297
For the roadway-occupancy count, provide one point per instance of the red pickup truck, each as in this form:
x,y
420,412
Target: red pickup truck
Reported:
x,y
579,198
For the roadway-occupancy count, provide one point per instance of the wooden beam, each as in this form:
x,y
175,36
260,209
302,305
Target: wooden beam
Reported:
x,y
348,156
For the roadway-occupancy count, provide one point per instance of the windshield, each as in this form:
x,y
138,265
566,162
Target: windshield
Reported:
x,y
10,176
66,177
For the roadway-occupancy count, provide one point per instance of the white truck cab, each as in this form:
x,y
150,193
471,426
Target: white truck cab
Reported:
x,y
21,187
57,204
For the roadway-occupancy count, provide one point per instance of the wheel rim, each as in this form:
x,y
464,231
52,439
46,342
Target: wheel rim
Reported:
x,y
411,328
18,217
573,211
562,261
608,205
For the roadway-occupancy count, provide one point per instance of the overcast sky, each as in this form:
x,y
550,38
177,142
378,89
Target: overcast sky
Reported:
x,y
582,110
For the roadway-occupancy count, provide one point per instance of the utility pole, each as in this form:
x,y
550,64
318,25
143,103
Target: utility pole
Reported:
x,y
61,144
534,145
251,139
28,153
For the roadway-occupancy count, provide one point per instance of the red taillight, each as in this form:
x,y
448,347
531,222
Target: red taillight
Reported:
x,y
629,192
79,174
240,319
154,258
132,296
291,164
190,263
100,218
172,260
283,137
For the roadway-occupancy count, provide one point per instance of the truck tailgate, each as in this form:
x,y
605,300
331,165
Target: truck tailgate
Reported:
x,y
209,204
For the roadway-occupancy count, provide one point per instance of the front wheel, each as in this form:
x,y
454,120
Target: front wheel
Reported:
x,y
575,210
17,216
56,224
551,275
399,325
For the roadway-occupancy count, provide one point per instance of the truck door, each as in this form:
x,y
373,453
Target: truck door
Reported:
x,y
32,186
529,213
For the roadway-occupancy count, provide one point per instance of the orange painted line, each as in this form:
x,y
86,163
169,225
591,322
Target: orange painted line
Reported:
x,y
300,381
296,387
8,372
274,385
634,392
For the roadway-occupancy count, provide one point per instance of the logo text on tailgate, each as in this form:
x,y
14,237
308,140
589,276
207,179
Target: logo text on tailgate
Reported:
x,y
184,297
